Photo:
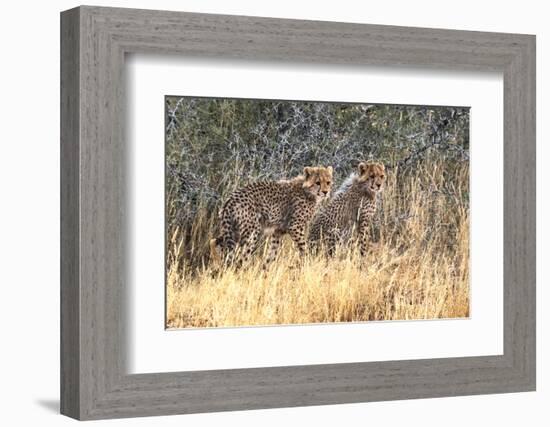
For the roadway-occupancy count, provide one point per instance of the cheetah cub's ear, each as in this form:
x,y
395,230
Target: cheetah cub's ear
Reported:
x,y
330,170
307,172
362,167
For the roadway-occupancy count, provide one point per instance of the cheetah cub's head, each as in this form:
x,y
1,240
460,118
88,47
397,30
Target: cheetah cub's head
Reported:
x,y
318,181
372,176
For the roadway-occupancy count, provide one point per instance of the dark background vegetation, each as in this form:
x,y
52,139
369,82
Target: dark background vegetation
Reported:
x,y
214,146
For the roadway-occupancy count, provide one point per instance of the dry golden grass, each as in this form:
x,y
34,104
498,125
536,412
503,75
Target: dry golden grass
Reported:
x,y
417,269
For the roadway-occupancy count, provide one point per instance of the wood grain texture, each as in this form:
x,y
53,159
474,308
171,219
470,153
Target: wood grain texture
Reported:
x,y
95,274
70,291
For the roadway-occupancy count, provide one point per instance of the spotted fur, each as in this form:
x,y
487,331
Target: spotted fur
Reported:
x,y
352,207
270,208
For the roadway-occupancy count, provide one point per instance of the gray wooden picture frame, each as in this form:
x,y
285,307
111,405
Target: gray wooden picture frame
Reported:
x,y
94,382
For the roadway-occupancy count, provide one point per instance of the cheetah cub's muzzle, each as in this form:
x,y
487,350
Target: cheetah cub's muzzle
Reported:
x,y
373,175
318,181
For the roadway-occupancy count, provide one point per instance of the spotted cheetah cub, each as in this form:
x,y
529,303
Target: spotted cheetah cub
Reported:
x,y
351,207
270,208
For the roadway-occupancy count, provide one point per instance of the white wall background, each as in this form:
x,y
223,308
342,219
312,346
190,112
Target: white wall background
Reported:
x,y
29,212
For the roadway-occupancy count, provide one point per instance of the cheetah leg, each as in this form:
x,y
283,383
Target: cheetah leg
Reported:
x,y
250,237
363,244
364,221
297,234
331,243
222,248
274,244
227,246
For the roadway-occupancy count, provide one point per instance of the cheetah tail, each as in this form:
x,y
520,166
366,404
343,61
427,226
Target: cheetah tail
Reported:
x,y
214,254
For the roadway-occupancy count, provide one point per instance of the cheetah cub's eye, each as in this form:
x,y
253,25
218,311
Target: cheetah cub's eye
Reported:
x,y
318,183
372,176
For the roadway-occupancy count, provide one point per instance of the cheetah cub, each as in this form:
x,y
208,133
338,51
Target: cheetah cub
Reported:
x,y
352,206
270,208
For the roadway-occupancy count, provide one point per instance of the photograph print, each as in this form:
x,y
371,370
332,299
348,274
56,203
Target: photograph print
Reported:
x,y
286,212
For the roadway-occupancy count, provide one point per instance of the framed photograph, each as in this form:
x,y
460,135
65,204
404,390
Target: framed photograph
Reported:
x,y
260,213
